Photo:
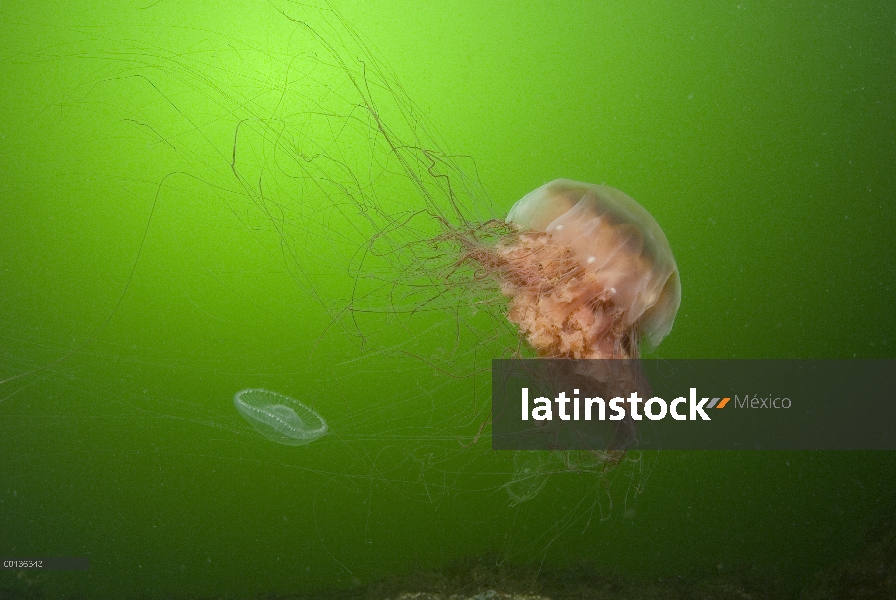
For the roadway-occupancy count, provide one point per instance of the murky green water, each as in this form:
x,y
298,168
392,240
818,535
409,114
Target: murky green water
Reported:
x,y
201,199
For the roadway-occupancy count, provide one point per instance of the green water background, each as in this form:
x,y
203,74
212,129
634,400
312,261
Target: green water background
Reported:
x,y
761,137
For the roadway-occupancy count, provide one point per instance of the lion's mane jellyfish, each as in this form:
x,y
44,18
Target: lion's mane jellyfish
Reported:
x,y
588,274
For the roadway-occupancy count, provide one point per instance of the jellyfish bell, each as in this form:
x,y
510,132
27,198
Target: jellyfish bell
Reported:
x,y
590,273
280,418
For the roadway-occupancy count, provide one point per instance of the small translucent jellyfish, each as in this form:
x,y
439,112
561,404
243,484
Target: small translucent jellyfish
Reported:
x,y
279,418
